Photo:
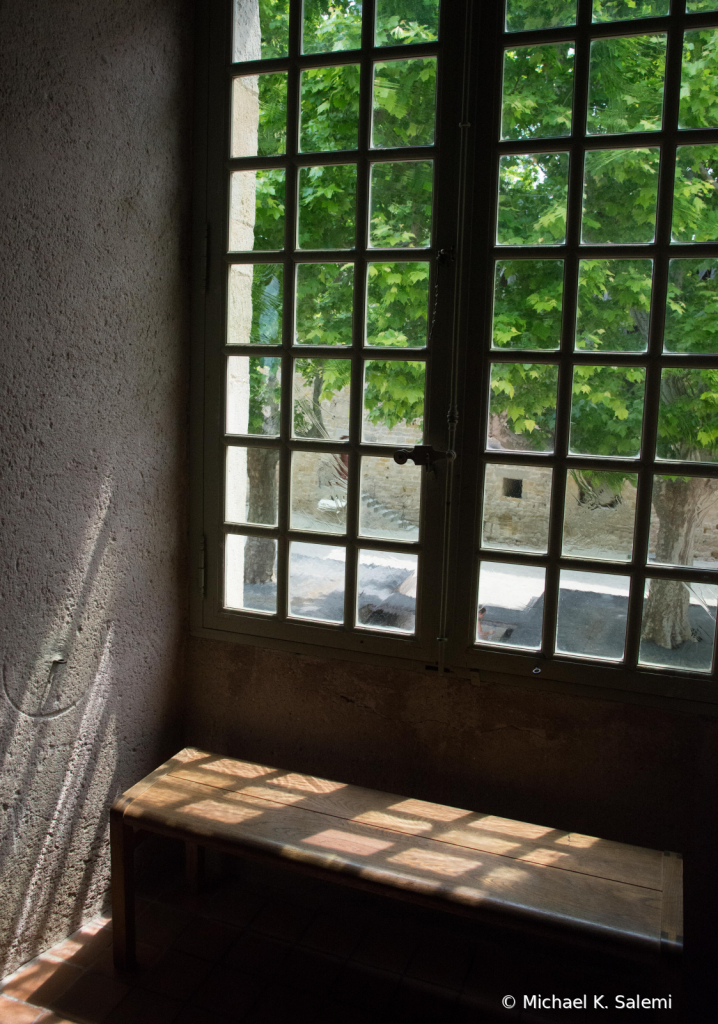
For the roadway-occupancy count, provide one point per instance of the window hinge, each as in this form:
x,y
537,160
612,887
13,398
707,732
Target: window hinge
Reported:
x,y
202,566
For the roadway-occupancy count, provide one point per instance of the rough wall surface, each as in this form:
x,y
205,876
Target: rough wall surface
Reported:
x,y
94,161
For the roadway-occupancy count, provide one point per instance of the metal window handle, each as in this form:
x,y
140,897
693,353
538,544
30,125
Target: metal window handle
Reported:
x,y
422,455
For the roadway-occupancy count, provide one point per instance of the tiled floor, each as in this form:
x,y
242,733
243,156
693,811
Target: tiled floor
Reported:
x,y
264,948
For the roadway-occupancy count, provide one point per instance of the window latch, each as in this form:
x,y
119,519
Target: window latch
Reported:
x,y
422,455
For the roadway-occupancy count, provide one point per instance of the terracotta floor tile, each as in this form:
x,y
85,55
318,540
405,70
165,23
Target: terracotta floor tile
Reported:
x,y
42,981
17,1013
365,988
387,946
283,921
258,955
334,934
285,1007
48,1017
311,971
206,938
160,924
146,956
441,960
424,1004
91,998
139,1007
176,975
85,945
229,992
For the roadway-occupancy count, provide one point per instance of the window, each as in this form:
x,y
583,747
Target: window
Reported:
x,y
488,232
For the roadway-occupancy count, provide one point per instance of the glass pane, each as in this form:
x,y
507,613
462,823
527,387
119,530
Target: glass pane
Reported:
x,y
406,21
695,196
319,492
259,115
627,10
251,485
261,29
522,410
331,26
390,500
692,307
684,522
625,86
316,581
537,91
688,415
599,514
679,623
321,398
614,305
397,304
528,299
325,302
404,103
401,204
699,80
329,117
253,395
607,410
327,207
619,196
592,610
254,304
517,500
250,573
393,411
510,605
532,199
696,6
524,15
256,210
386,590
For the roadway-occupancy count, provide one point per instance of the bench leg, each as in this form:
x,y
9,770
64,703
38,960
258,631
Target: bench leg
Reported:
x,y
193,865
122,852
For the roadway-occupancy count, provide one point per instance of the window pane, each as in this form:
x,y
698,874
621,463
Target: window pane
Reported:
x,y
325,303
330,109
517,501
327,207
528,299
397,304
537,91
401,204
254,304
316,581
599,514
532,199
319,492
592,610
619,196
251,485
679,622
522,410
321,398
250,573
386,590
406,21
627,10
699,80
335,26
253,395
607,410
390,500
510,605
692,307
404,103
261,30
625,87
695,197
688,415
393,410
524,15
684,521
256,210
695,6
614,305
259,115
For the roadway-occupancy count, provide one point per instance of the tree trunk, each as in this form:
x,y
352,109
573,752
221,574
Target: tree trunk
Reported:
x,y
259,554
681,504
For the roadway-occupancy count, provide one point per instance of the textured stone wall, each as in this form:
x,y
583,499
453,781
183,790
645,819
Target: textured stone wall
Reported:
x,y
95,122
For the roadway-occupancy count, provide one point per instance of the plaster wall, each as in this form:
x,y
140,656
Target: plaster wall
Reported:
x,y
94,162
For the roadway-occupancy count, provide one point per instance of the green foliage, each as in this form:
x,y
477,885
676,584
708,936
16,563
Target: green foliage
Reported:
x,y
272,128
614,304
394,392
397,304
327,207
406,21
695,194
692,307
324,303
524,15
404,103
264,394
625,10
331,25
269,205
267,299
699,80
537,91
533,191
528,300
523,401
274,27
401,204
620,192
688,415
625,92
607,410
329,109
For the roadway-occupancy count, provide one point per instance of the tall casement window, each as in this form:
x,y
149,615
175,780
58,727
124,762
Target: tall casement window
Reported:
x,y
458,311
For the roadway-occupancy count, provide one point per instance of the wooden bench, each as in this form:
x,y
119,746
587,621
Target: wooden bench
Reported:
x,y
501,871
